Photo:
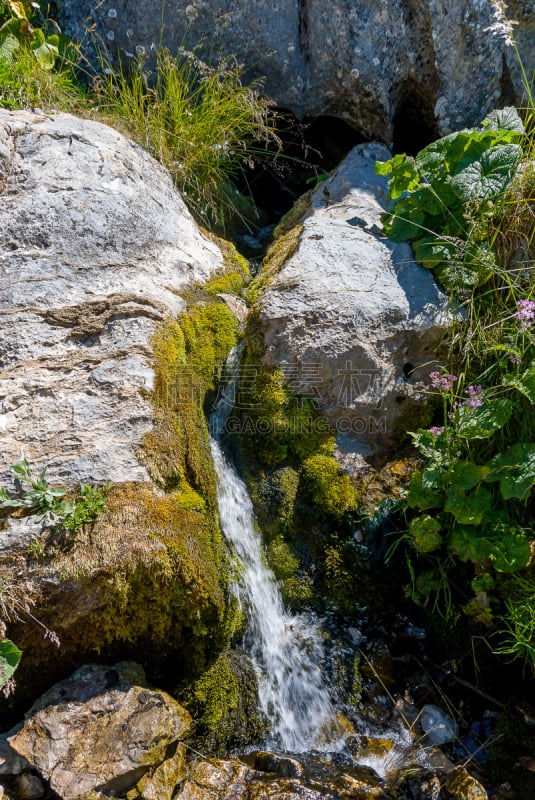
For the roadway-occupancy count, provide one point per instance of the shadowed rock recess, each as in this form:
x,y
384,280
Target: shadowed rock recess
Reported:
x,y
416,62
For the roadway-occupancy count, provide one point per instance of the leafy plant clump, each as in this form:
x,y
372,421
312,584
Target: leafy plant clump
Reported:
x,y
201,122
36,59
444,200
51,504
466,205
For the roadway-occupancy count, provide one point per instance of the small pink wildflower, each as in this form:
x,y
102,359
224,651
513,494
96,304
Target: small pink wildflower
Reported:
x,y
442,382
436,430
525,314
474,397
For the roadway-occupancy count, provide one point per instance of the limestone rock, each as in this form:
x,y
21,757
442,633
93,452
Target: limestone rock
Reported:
x,y
160,783
350,319
433,61
94,244
100,730
459,785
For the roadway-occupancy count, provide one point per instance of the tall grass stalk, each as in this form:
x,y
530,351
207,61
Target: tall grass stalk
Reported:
x,y
201,122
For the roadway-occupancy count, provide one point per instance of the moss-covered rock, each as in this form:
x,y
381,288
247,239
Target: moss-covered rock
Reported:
x,y
152,576
224,702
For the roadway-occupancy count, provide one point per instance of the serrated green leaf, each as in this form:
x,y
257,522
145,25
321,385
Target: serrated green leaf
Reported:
x,y
504,119
490,175
510,553
421,497
515,470
465,475
468,509
482,422
425,531
468,546
9,660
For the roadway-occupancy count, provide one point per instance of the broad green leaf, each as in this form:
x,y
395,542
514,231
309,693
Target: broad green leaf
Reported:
x,y
421,497
46,55
404,176
515,470
386,167
465,475
488,176
431,158
431,251
468,509
482,422
510,553
405,224
504,119
524,384
425,531
8,47
468,546
9,660
456,275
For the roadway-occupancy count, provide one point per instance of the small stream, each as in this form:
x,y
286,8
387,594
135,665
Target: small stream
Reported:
x,y
285,650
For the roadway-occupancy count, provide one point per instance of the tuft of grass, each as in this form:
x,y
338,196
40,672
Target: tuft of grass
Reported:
x,y
200,122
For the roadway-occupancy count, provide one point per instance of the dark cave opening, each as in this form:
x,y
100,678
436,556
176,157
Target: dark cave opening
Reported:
x,y
309,150
415,125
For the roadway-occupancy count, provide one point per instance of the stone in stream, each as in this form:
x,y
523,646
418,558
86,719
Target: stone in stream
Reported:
x,y
352,313
232,780
431,64
103,730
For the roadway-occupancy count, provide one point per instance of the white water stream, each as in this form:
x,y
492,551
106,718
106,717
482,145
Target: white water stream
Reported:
x,y
286,650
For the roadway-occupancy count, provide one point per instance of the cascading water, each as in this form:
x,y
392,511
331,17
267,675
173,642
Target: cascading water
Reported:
x,y
286,650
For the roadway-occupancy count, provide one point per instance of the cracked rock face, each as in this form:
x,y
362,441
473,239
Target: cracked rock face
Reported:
x,y
94,244
350,318
363,62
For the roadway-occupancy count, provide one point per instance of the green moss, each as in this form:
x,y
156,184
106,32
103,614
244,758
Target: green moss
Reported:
x,y
224,704
286,238
415,415
328,487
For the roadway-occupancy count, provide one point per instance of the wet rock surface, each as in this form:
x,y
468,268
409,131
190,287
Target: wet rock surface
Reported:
x,y
104,730
379,66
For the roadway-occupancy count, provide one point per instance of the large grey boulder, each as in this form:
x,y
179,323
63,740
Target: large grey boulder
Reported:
x,y
350,319
358,60
95,243
104,730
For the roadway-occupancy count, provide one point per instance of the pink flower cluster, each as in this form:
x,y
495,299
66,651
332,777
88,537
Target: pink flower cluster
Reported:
x,y
474,397
442,382
436,430
525,314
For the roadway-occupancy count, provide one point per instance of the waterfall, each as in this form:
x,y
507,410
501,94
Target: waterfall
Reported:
x,y
285,650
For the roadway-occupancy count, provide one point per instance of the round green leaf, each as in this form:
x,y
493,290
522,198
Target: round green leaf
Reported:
x,y
468,509
465,543
510,553
425,531
490,175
